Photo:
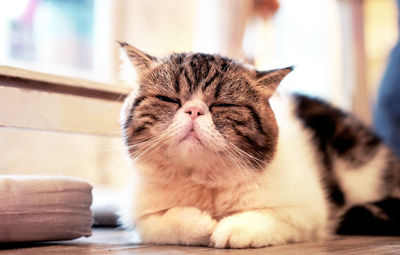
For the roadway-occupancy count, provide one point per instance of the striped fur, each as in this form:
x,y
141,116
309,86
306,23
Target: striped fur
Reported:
x,y
220,162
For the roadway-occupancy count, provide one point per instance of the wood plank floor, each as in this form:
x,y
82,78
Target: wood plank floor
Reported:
x,y
111,241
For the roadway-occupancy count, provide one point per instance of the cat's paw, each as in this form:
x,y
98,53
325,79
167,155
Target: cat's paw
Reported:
x,y
242,231
195,227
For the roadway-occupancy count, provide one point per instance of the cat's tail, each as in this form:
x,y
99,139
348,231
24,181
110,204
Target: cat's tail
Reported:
x,y
394,167
381,217
396,191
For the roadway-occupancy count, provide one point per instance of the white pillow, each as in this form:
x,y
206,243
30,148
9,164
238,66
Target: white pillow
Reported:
x,y
44,208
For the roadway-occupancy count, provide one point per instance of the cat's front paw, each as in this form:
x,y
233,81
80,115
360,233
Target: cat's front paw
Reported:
x,y
196,226
242,231
178,225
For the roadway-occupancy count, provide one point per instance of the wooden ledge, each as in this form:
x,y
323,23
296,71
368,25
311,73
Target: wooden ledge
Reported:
x,y
21,78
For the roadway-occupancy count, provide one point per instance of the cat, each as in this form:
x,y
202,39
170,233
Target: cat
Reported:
x,y
222,162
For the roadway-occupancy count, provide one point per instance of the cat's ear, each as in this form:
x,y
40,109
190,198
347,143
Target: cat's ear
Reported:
x,y
271,79
134,63
138,59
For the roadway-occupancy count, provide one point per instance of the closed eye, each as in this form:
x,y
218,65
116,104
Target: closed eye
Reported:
x,y
168,99
223,105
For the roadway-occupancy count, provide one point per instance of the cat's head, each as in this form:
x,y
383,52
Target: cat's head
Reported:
x,y
202,116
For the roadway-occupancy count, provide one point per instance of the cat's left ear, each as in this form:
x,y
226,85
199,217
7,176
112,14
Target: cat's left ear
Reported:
x,y
134,64
271,79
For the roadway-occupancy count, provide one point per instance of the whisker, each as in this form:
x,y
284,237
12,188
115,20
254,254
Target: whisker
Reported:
x,y
220,159
248,155
236,159
245,156
154,142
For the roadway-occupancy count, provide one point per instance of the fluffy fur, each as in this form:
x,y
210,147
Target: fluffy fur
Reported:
x,y
223,163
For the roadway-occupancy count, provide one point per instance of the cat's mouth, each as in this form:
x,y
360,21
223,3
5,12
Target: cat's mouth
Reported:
x,y
191,136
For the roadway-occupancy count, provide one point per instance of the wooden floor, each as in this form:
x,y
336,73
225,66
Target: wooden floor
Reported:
x,y
107,241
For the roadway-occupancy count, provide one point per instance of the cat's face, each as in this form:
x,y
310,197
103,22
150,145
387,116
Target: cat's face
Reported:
x,y
200,114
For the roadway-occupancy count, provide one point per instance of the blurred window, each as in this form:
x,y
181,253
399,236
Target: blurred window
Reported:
x,y
57,36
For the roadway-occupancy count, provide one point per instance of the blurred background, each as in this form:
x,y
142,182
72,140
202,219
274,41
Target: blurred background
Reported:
x,y
339,48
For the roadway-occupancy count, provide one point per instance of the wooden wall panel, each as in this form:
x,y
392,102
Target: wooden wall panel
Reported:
x,y
27,108
100,160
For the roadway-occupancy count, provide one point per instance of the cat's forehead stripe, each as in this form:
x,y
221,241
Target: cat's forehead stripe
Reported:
x,y
210,80
197,70
177,85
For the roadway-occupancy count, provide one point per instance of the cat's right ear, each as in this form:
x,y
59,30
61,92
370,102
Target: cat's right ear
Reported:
x,y
138,59
134,63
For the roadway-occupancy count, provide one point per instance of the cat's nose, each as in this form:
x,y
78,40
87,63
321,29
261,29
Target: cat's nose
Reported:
x,y
195,109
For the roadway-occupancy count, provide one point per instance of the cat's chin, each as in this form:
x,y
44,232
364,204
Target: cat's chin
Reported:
x,y
191,146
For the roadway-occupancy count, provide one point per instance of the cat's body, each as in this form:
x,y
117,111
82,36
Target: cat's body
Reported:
x,y
220,163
